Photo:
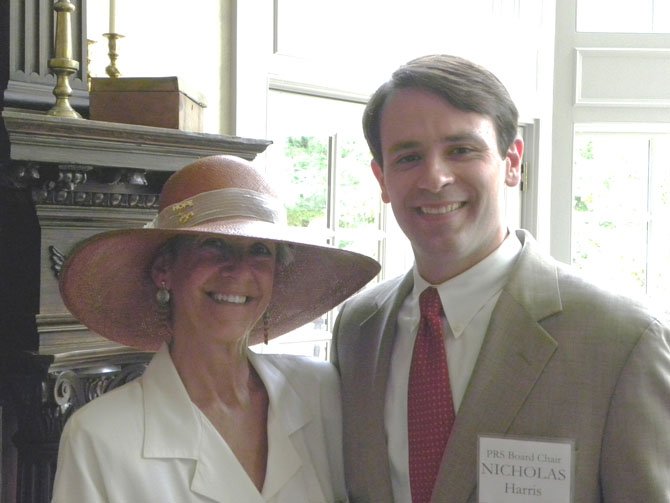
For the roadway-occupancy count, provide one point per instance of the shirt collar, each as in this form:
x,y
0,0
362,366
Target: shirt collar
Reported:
x,y
464,295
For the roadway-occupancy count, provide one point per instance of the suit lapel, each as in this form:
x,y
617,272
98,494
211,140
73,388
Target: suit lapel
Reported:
x,y
384,321
377,333
514,353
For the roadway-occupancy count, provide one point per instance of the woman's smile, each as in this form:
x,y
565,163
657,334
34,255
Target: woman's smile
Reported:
x,y
222,298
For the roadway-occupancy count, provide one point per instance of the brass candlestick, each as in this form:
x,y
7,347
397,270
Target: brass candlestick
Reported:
x,y
62,64
112,70
89,46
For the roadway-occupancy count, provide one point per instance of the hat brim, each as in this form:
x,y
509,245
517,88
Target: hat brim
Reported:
x,y
106,280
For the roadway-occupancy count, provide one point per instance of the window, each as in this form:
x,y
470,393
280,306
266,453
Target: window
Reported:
x,y
320,164
621,210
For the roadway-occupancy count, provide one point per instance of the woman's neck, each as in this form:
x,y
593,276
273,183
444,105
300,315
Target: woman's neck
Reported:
x,y
219,372
222,383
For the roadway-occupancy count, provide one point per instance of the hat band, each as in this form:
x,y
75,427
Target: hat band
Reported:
x,y
217,205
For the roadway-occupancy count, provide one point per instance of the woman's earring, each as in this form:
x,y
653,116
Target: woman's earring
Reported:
x,y
266,327
163,296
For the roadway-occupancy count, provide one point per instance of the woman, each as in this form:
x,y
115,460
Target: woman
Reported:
x,y
209,420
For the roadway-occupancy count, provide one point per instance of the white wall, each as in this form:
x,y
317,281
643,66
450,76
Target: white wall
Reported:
x,y
190,40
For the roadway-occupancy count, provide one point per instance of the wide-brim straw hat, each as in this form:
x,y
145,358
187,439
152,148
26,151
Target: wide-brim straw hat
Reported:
x,y
106,279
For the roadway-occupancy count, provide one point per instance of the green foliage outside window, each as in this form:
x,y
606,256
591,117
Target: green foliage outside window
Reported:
x,y
309,160
355,206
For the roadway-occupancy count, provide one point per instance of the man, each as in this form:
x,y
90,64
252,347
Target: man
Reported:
x,y
534,353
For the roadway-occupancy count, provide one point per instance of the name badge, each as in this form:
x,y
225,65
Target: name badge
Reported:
x,y
512,469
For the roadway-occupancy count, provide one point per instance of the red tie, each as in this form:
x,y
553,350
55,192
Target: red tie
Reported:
x,y
430,407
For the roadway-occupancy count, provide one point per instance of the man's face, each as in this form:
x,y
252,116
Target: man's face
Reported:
x,y
444,178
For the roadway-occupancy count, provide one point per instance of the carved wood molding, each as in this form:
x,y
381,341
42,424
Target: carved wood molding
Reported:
x,y
74,388
82,185
43,400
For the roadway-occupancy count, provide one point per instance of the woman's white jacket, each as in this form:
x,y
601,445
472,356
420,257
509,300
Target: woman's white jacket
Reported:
x,y
147,442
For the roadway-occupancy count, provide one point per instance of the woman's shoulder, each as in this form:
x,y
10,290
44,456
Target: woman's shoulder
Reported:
x,y
303,372
305,384
109,410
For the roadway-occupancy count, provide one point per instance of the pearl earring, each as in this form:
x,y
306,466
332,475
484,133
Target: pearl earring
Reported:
x,y
163,295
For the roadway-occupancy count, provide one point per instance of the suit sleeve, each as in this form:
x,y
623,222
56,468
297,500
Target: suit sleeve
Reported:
x,y
635,462
334,358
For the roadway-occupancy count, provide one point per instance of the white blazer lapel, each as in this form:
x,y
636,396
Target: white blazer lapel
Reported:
x,y
288,416
220,477
171,426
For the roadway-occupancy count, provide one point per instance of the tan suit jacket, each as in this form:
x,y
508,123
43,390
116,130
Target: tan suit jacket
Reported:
x,y
560,359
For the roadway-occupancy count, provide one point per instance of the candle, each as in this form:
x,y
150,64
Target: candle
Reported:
x,y
112,16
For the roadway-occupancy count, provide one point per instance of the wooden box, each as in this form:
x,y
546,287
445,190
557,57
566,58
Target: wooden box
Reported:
x,y
146,101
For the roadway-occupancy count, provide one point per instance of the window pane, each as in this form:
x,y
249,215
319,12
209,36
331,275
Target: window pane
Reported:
x,y
659,242
620,207
304,163
358,206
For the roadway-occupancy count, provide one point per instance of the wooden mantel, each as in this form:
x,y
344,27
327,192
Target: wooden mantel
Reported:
x,y
40,138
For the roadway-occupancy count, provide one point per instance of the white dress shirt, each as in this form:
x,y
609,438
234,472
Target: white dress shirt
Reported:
x,y
468,301
147,442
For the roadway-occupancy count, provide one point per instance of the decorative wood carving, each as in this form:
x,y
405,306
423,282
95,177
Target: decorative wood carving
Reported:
x,y
76,185
57,258
44,398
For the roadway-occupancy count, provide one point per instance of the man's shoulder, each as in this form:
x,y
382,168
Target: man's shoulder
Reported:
x,y
376,294
568,300
369,302
586,301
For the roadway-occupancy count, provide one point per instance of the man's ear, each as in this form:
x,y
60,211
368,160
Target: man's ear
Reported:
x,y
513,163
378,171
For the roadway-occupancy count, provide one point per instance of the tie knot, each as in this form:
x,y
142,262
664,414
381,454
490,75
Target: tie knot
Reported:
x,y
430,304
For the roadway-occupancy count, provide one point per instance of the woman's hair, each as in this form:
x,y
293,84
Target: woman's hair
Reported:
x,y
460,82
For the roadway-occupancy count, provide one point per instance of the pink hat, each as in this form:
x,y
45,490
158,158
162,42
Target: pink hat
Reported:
x,y
106,280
